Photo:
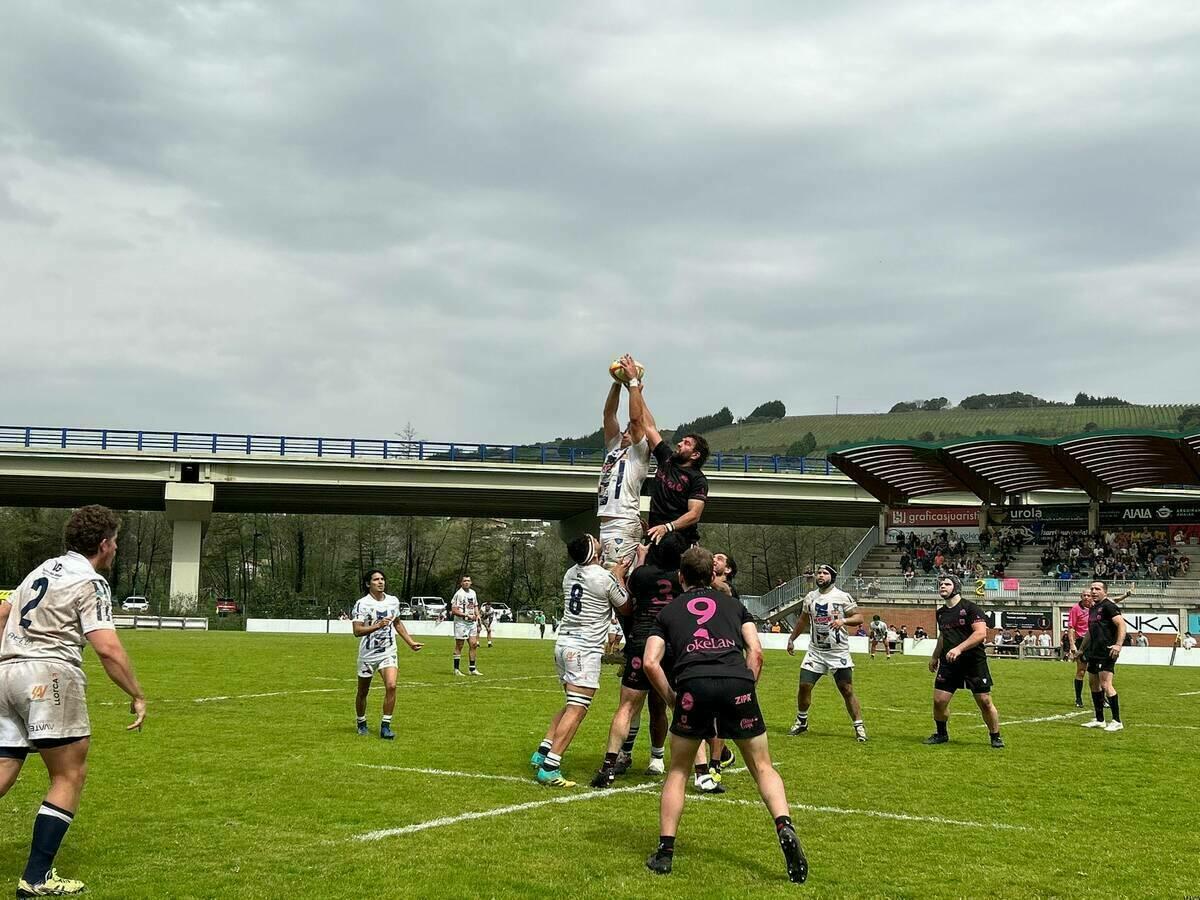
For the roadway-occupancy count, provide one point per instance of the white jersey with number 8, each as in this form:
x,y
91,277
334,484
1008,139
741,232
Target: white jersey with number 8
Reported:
x,y
53,610
590,594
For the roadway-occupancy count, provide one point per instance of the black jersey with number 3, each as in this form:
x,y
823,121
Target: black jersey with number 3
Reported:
x,y
956,624
652,589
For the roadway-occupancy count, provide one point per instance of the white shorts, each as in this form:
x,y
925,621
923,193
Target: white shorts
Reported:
x,y
619,539
578,667
368,666
465,630
42,700
823,663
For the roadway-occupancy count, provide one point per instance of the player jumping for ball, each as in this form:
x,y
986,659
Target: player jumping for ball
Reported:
x,y
619,492
376,622
590,594
828,611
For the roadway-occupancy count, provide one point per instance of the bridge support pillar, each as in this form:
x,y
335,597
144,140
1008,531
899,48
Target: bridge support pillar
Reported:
x,y
1094,516
188,507
883,520
586,522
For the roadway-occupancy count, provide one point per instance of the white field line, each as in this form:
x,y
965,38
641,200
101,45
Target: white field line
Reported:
x,y
417,771
1070,715
501,811
1188,694
227,697
873,813
917,712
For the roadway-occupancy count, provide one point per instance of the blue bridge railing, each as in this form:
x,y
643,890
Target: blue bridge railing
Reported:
x,y
199,443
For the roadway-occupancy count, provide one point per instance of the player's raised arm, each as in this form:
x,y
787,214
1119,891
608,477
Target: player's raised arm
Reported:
x,y
618,592
612,427
117,666
640,417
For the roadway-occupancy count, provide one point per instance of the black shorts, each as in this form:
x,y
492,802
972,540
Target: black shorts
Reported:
x,y
973,675
634,676
717,707
1096,666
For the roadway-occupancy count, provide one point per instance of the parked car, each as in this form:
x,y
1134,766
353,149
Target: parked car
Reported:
x,y
227,606
503,612
428,607
405,611
135,604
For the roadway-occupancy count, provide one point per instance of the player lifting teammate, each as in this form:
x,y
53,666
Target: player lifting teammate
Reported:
x,y
376,622
1101,647
827,611
590,594
960,661
716,662
43,706
651,588
464,607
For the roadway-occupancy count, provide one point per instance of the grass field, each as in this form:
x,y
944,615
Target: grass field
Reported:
x,y
775,437
249,781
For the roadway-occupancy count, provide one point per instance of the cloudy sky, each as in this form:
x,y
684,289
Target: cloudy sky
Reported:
x,y
333,218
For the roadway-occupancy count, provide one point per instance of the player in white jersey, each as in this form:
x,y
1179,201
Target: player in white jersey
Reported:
x,y
827,612
619,493
43,706
590,593
376,622
877,634
464,607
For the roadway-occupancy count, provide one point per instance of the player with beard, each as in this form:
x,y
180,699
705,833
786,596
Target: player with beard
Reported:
x,y
959,661
680,489
1101,648
651,588
717,659
827,611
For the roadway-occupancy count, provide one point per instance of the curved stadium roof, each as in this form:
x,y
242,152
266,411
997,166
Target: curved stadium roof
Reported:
x,y
1098,462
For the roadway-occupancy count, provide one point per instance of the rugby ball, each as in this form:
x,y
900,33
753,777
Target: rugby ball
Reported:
x,y
617,371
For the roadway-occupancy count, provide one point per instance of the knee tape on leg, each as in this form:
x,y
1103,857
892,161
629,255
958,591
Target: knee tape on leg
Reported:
x,y
579,700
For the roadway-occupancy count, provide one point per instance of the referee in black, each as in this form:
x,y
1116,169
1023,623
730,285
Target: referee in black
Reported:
x,y
959,660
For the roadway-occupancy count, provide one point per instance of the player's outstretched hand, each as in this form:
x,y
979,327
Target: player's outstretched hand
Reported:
x,y
657,533
138,708
629,366
416,645
1114,651
791,647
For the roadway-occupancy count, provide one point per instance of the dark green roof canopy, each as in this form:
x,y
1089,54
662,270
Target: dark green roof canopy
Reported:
x,y
1097,462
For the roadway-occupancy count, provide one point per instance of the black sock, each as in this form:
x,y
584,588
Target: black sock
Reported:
x,y
783,822
610,760
472,665
630,739
995,735
701,769
1098,703
666,844
544,747
457,663
1115,705
1078,690
941,728
49,829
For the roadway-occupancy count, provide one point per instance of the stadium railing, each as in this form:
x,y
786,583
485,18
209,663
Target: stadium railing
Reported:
x,y
778,601
1051,588
214,443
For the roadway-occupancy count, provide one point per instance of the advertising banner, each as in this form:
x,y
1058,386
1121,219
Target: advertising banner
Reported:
x,y
1069,514
943,517
1130,515
1145,622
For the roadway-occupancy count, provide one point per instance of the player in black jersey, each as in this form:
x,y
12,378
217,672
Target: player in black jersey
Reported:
x,y
959,660
1101,647
651,587
680,489
716,661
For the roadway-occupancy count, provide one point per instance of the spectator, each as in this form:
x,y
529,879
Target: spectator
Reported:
x,y
1140,640
920,634
1189,642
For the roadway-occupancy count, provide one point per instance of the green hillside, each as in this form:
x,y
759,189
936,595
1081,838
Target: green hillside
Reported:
x,y
830,431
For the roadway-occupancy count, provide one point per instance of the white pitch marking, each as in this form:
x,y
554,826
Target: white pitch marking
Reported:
x,y
227,697
445,772
1071,715
1180,727
1188,694
874,813
500,811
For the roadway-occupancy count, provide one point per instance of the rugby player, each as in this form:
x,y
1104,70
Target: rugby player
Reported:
x,y
43,706
960,661
877,634
717,659
464,607
1101,648
376,622
651,588
590,594
487,616
619,493
827,611
680,489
